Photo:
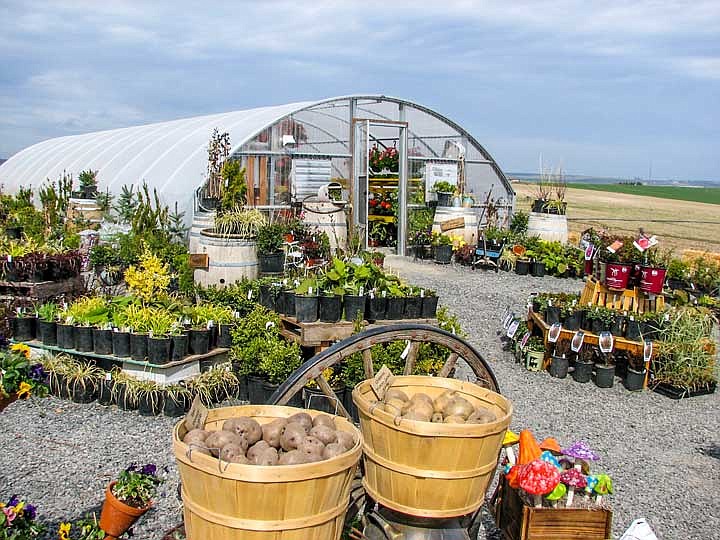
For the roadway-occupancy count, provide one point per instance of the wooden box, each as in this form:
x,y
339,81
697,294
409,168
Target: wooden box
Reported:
x,y
520,522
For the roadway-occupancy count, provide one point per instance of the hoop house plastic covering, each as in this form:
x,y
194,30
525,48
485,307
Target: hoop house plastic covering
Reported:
x,y
172,156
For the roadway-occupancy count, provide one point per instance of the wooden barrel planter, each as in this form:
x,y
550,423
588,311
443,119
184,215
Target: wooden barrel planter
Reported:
x,y
231,258
328,217
447,214
427,469
550,227
231,501
201,220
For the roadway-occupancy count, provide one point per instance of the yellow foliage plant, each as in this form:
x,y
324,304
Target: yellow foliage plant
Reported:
x,y
149,279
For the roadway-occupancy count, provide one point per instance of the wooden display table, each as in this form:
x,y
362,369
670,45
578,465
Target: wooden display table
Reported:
x,y
630,300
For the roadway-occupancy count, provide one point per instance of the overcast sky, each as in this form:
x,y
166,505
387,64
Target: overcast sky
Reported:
x,y
599,87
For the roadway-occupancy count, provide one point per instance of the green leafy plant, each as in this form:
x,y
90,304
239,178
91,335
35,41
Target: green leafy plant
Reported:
x,y
137,485
269,239
443,187
48,312
240,222
233,191
19,377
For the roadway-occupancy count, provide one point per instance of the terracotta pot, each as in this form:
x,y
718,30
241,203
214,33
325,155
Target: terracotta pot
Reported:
x,y
117,517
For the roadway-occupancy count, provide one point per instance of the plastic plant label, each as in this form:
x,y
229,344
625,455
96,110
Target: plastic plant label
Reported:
x,y
616,245
372,295
524,340
647,350
197,415
108,376
384,294
577,341
406,350
362,291
589,252
508,319
606,342
381,382
513,328
269,325
250,294
554,332
422,293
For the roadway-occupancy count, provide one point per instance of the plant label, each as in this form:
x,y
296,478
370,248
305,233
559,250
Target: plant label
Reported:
x,y
508,319
524,340
577,341
616,245
554,332
250,294
606,342
108,376
381,382
197,415
589,250
647,351
406,350
513,328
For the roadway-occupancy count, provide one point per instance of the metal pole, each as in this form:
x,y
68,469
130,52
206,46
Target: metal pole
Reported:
x,y
403,185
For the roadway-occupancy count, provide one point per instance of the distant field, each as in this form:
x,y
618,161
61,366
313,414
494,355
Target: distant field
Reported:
x,y
703,195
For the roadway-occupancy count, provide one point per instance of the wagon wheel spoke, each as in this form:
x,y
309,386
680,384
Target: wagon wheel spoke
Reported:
x,y
368,363
323,384
412,351
449,365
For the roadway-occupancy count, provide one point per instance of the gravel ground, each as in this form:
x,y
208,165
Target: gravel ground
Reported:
x,y
662,454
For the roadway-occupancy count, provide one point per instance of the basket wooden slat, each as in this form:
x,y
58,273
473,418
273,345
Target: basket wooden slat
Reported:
x,y
230,501
427,469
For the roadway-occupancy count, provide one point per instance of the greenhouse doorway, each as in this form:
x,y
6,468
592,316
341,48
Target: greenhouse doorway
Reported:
x,y
379,188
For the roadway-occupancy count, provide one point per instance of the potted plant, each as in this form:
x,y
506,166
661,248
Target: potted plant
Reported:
x,y
560,362
176,400
306,301
280,359
619,256
150,399
652,272
635,377
120,335
429,304
159,343
584,364
395,302
85,528
444,191
21,378
88,184
443,247
128,498
83,381
200,332
24,325
268,244
535,354
314,398
605,371
601,319
413,302
47,323
678,272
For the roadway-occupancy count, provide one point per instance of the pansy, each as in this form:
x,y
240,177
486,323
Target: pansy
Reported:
x,y
24,391
21,348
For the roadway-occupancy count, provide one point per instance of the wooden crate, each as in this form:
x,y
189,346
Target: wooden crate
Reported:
x,y
520,522
631,300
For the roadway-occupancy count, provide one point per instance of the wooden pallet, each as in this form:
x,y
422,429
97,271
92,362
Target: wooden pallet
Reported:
x,y
630,300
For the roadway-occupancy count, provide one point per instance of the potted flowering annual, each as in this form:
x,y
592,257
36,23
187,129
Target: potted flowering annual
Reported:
x,y
443,248
19,377
86,528
128,498
17,520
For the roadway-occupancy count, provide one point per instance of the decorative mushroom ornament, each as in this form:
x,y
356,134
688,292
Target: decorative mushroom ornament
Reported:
x,y
604,486
581,453
573,479
509,441
538,478
556,494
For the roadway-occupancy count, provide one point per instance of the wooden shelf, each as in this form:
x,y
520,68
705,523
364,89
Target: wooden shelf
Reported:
x,y
382,219
630,300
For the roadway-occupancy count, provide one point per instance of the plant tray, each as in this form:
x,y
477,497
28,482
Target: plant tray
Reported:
x,y
675,392
520,522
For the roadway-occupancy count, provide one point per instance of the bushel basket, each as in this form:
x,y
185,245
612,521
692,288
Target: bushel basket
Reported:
x,y
232,501
430,469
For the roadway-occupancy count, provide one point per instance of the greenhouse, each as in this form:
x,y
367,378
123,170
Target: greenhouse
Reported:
x,y
383,155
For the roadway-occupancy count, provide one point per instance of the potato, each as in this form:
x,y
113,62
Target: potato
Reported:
x,y
345,439
302,418
454,419
326,434
233,453
272,431
333,449
481,415
442,400
394,406
267,457
437,418
324,420
422,397
219,439
311,445
420,407
312,457
458,406
195,436
294,457
395,393
292,436
257,449
245,427
417,415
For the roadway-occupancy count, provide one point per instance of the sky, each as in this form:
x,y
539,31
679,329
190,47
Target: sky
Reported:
x,y
607,88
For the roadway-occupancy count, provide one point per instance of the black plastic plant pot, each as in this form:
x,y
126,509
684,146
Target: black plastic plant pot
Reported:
x,y
158,350
618,327
151,403
604,376
444,199
280,303
375,308
47,332
413,307
354,307
634,380
14,233
522,268
537,269
269,388
330,308
559,367
314,399
443,254
573,321
121,344
552,315
597,326
649,330
83,338
175,407
138,347
199,341
267,297
65,336
24,328
105,392
306,308
583,372
125,400
242,392
288,302
102,341
83,393
224,338
256,394
272,263
395,308
632,330
179,347
429,307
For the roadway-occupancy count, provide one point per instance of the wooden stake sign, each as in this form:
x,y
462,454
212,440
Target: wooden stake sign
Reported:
x,y
450,224
197,415
381,382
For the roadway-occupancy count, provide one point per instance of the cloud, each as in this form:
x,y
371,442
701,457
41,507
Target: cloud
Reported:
x,y
700,67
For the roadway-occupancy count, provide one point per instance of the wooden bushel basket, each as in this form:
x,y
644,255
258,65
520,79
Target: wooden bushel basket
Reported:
x,y
231,501
427,469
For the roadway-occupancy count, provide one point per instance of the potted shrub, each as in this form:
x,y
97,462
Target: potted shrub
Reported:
x,y
88,184
619,257
678,272
159,343
429,304
47,323
443,246
633,327
535,354
605,371
176,400
128,498
280,358
180,338
652,272
601,319
395,302
444,191
584,364
268,244
635,377
560,361
102,339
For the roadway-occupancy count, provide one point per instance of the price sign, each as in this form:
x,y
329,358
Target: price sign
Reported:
x,y
381,382
197,415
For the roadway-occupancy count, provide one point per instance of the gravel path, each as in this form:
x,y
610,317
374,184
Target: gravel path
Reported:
x,y
662,454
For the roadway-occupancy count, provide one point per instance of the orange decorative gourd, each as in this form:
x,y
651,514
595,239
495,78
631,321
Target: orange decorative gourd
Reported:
x,y
529,448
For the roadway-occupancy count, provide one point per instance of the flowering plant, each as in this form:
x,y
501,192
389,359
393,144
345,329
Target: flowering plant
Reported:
x,y
439,239
86,528
383,159
19,377
136,486
383,206
17,520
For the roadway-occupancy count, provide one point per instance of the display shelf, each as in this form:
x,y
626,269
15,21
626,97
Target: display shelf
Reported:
x,y
630,300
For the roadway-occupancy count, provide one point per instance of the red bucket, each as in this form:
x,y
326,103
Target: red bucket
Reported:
x,y
617,275
652,279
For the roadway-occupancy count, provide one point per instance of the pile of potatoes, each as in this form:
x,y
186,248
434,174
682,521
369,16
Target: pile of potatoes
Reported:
x,y
284,441
449,408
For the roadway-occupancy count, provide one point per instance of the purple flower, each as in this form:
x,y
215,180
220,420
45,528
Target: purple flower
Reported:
x,y
131,468
13,500
149,469
30,511
37,373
